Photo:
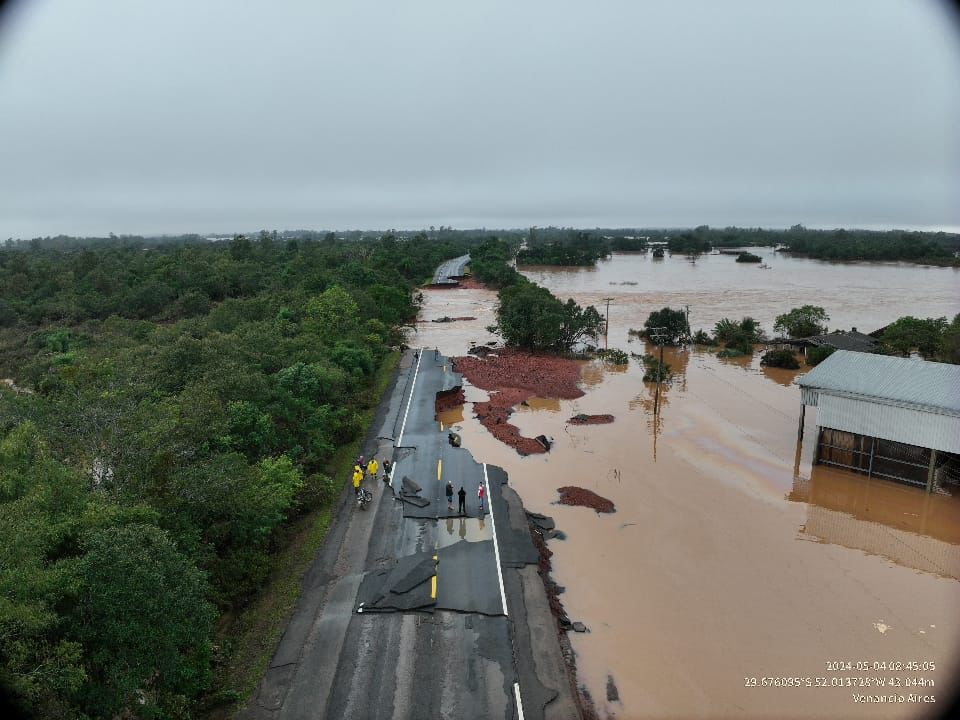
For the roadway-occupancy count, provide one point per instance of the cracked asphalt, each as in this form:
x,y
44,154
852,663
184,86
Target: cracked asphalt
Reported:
x,y
413,611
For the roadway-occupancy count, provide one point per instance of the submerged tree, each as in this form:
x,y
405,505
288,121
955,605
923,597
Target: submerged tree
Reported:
x,y
802,321
671,324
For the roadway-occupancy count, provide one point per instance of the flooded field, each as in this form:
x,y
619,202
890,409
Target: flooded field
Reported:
x,y
729,558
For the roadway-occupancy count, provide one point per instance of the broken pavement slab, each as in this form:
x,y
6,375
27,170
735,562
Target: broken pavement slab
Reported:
x,y
404,586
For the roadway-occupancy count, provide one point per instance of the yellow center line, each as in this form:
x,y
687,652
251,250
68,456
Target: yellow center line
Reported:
x,y
433,588
441,426
439,468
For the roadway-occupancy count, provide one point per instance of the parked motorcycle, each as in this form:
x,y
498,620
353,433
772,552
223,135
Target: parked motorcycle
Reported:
x,y
364,498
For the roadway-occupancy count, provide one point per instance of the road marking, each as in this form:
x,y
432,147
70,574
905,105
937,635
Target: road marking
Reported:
x,y
439,468
409,399
441,426
496,545
433,588
516,694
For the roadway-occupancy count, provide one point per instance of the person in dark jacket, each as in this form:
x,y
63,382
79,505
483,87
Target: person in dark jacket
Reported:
x,y
463,500
449,495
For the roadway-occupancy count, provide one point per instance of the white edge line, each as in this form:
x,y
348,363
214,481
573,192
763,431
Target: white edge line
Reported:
x,y
496,545
516,694
410,399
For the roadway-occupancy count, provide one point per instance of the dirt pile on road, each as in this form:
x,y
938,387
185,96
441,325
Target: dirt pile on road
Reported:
x,y
582,419
512,376
542,375
572,495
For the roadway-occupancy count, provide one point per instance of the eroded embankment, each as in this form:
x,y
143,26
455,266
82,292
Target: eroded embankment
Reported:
x,y
512,376
449,399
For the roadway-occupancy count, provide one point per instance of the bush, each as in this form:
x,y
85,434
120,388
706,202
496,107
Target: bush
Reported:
x,y
655,370
614,355
700,337
780,358
746,257
817,355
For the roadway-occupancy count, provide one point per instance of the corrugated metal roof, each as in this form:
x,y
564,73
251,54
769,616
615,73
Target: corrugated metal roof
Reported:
x,y
918,383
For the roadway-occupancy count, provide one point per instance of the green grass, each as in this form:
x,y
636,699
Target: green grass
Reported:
x,y
248,638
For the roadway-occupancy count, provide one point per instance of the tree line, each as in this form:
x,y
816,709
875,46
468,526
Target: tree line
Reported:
x,y
171,409
562,246
530,316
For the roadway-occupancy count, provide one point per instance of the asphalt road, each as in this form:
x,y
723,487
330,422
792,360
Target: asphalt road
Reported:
x,y
412,611
451,269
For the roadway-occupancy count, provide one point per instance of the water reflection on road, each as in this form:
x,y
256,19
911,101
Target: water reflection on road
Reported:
x,y
729,555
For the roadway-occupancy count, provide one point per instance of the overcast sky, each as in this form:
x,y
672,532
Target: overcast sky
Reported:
x,y
131,116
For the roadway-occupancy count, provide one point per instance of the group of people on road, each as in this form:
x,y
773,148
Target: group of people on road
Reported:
x,y
462,497
370,468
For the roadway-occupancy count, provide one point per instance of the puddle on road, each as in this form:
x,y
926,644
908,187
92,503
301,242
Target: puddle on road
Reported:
x,y
729,556
471,529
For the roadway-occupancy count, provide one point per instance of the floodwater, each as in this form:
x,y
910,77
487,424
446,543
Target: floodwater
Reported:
x,y
730,557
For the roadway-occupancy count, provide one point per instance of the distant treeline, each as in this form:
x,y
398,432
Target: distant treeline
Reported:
x,y
561,246
173,407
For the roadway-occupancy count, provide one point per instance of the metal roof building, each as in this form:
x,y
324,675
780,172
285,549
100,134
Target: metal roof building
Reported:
x,y
876,397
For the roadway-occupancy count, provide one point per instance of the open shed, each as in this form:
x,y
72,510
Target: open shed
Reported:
x,y
890,417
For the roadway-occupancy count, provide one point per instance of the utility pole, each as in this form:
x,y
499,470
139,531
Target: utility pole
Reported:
x,y
606,323
658,335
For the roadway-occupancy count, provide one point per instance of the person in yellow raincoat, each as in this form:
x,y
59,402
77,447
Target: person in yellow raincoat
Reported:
x,y
357,479
372,467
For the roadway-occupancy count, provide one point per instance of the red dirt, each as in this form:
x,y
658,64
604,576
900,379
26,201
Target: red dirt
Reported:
x,y
590,419
449,399
572,495
471,283
542,375
512,376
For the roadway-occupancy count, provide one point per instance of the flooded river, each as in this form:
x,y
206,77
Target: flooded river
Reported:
x,y
730,557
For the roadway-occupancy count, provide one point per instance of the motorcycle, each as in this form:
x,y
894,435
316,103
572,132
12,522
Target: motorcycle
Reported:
x,y
364,498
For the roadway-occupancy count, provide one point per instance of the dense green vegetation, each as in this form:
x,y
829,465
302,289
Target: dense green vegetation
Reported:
x,y
817,355
667,326
782,358
579,248
746,257
178,406
738,337
530,316
933,338
802,322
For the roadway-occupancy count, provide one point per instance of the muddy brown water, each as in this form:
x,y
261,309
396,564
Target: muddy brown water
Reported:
x,y
730,556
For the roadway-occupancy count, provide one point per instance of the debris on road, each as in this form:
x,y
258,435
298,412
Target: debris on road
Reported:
x,y
582,419
572,495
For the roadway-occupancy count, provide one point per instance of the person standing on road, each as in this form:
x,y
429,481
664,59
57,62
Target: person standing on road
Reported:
x,y
481,494
372,467
449,495
387,470
463,500
357,479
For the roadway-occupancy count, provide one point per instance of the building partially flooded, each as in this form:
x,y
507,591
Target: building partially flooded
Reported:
x,y
887,417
